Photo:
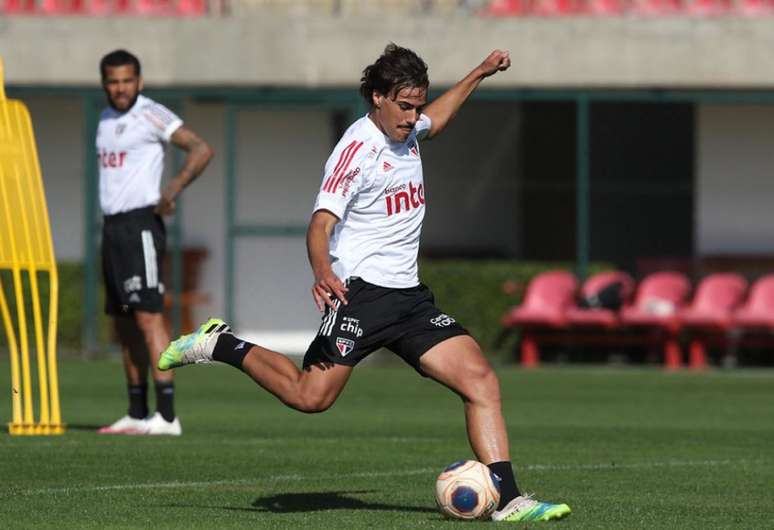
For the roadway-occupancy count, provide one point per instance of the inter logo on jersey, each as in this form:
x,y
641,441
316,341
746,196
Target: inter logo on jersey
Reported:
x,y
401,199
345,346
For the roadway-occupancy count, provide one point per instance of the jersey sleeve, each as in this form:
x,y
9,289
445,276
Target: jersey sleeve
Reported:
x,y
163,122
423,125
346,173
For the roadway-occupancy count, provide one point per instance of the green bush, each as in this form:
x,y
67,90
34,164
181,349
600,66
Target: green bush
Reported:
x,y
70,321
472,292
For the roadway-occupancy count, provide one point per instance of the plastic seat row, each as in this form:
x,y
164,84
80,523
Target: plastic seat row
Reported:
x,y
660,305
180,8
514,8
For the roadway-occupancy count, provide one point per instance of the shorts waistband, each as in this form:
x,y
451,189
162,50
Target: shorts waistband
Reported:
x,y
130,214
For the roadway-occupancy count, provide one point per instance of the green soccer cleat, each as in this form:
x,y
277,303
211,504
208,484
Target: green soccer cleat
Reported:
x,y
195,348
525,508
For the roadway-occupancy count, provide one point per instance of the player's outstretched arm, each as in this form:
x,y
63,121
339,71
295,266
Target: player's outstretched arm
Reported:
x,y
327,286
198,155
443,109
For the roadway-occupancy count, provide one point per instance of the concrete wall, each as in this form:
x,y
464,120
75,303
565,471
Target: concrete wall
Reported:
x,y
313,51
59,124
735,168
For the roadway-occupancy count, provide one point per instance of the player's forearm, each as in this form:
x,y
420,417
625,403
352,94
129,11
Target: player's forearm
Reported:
x,y
318,249
444,108
195,162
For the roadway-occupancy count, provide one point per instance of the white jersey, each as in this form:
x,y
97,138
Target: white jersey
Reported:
x,y
375,187
130,154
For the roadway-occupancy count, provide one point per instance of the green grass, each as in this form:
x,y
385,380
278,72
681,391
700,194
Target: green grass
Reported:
x,y
626,448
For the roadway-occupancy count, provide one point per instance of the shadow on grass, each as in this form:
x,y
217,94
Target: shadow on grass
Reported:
x,y
315,502
326,500
83,427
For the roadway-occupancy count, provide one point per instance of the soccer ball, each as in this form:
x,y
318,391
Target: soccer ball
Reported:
x,y
467,490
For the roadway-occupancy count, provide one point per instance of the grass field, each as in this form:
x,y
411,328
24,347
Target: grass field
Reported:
x,y
626,448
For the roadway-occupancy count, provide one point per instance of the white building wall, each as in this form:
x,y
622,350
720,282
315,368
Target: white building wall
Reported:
x,y
472,176
321,50
735,186
58,124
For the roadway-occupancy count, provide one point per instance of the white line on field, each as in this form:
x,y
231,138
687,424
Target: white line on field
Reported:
x,y
376,474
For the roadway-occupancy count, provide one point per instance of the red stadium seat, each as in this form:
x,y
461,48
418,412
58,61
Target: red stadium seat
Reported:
x,y
655,7
15,7
603,7
551,7
191,8
600,317
658,299
711,311
546,301
708,7
755,7
758,311
504,8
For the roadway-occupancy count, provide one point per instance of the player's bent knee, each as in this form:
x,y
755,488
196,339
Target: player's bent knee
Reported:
x,y
481,385
315,404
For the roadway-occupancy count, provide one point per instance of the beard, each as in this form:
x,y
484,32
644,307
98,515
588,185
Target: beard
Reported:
x,y
131,103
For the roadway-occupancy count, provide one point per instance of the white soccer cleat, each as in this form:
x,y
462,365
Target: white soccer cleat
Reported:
x,y
126,425
156,424
194,348
524,508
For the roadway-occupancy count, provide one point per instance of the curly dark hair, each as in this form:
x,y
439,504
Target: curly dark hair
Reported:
x,y
118,58
396,69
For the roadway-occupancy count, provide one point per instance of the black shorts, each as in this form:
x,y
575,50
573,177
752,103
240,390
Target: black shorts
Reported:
x,y
133,245
405,321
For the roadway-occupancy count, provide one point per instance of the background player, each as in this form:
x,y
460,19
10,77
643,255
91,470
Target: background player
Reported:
x,y
131,138
363,242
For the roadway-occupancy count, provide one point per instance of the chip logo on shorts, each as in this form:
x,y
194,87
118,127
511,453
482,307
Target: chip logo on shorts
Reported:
x,y
345,346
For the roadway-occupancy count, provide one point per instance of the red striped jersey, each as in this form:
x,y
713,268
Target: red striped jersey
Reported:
x,y
130,154
375,187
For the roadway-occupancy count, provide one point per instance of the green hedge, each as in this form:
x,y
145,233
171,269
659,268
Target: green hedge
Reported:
x,y
472,292
70,322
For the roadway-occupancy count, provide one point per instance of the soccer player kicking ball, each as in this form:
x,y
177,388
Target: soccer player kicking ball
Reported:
x,y
363,241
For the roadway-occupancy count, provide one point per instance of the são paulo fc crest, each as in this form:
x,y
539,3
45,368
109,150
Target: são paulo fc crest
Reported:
x,y
345,346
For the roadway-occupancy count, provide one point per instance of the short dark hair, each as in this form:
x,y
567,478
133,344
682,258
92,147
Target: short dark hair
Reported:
x,y
118,58
396,69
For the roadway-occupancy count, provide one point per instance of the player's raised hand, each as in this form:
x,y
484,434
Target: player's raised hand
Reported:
x,y
497,61
328,287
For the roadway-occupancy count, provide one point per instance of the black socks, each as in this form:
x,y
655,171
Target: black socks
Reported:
x,y
508,488
231,350
165,400
138,401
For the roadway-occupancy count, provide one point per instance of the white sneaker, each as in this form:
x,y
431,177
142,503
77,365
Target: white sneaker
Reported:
x,y
525,508
126,425
156,424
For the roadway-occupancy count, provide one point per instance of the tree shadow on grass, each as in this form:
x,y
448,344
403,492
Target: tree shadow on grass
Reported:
x,y
326,500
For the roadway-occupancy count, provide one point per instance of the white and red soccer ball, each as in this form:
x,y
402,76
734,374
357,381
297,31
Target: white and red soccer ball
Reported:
x,y
467,490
